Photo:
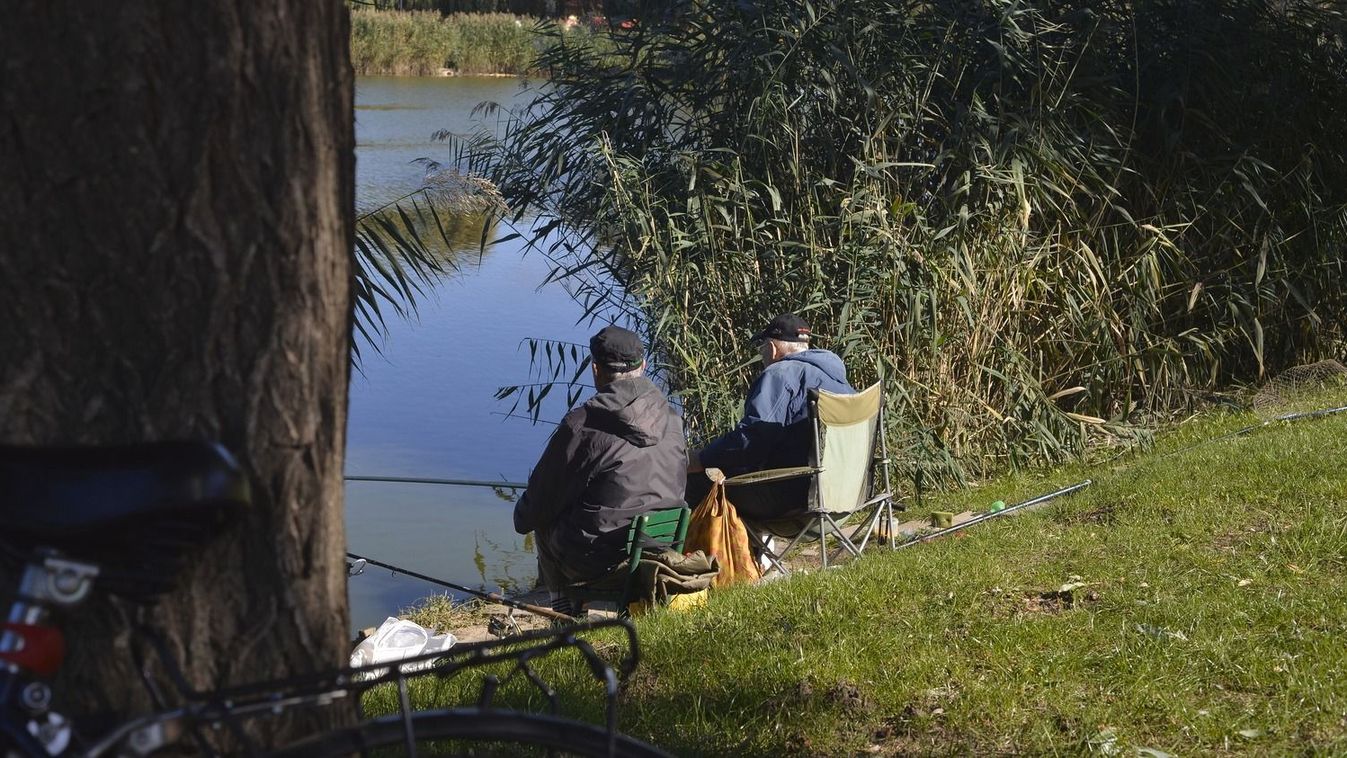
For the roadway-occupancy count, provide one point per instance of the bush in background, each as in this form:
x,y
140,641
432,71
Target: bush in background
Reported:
x,y
1043,223
423,43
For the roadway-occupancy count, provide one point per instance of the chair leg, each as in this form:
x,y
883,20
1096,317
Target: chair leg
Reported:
x,y
772,558
867,527
823,539
883,514
888,514
791,545
847,544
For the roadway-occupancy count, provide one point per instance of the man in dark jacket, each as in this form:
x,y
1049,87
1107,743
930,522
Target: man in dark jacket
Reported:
x,y
775,431
617,456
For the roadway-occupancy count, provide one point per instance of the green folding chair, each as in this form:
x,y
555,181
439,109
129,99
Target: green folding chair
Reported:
x,y
668,528
848,476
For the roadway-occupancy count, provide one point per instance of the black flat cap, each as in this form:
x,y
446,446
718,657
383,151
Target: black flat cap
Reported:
x,y
787,327
617,349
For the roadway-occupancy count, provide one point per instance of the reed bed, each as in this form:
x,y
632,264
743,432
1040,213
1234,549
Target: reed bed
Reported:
x,y
425,43
1043,225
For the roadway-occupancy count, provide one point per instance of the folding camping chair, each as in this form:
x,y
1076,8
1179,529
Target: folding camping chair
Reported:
x,y
667,528
848,446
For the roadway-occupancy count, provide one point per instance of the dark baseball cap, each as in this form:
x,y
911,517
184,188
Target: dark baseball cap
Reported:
x,y
617,349
787,327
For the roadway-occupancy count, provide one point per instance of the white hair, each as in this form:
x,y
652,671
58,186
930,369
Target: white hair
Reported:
x,y
790,348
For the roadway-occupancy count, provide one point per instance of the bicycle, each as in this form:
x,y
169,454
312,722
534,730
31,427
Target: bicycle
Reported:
x,y
66,513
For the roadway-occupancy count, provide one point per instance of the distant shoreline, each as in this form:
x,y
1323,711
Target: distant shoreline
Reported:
x,y
425,43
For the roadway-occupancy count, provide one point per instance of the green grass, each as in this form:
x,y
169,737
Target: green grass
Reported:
x,y
1211,619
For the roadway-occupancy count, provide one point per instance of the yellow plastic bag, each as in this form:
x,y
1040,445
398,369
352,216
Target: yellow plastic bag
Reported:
x,y
684,602
716,529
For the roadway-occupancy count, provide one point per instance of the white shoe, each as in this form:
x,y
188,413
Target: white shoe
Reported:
x,y
765,565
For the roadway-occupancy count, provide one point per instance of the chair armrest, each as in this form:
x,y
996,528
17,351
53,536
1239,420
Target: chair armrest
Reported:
x,y
772,475
876,499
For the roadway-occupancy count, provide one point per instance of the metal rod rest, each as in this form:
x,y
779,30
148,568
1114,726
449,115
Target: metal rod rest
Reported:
x,y
986,516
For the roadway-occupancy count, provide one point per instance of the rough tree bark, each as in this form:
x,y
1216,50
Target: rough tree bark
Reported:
x,y
176,195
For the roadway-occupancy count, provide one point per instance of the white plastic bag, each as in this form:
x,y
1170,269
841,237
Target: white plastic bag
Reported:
x,y
396,639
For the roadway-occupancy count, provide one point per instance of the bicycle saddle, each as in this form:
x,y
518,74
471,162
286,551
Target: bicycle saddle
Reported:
x,y
82,498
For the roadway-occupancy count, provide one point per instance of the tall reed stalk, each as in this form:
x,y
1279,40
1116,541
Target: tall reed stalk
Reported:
x,y
1040,223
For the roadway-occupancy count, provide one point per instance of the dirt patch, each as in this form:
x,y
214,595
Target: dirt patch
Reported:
x,y
799,743
1012,602
1104,515
1239,538
917,729
843,694
801,693
897,737
847,695
475,620
1057,601
643,683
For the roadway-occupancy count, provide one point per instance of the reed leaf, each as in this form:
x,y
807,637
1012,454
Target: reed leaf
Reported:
x,y
1043,223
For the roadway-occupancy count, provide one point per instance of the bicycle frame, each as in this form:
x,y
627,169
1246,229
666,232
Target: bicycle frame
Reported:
x,y
29,644
69,515
31,649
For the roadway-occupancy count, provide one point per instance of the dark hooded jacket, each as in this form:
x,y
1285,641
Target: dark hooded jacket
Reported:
x,y
617,456
775,431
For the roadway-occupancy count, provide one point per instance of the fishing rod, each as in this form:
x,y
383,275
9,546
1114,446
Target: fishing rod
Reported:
x,y
1081,485
1254,427
994,514
461,482
492,596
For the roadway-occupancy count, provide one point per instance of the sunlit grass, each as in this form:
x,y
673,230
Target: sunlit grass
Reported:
x,y
1207,616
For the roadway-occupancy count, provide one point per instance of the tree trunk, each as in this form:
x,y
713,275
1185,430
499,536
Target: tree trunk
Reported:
x,y
176,199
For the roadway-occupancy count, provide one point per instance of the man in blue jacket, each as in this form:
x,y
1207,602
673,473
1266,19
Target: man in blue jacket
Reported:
x,y
775,431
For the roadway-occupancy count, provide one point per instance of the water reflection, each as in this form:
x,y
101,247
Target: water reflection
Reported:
x,y
425,407
431,227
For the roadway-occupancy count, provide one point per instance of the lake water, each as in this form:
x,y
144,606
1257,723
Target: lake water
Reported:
x,y
425,407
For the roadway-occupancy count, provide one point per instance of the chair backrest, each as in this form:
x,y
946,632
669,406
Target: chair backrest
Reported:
x,y
845,446
669,526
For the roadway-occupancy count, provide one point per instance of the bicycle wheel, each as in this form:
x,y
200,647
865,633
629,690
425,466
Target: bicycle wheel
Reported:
x,y
473,732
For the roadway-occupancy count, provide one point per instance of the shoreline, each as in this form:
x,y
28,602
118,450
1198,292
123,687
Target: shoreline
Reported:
x,y
426,43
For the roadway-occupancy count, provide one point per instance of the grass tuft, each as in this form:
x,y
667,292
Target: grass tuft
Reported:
x,y
1187,603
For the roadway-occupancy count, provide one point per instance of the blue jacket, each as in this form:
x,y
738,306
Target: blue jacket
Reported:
x,y
775,431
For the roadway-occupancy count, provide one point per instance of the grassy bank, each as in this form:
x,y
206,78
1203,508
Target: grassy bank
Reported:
x,y
424,43
1209,618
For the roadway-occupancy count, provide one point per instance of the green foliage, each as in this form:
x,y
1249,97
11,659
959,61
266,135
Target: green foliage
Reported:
x,y
529,7
1040,223
420,43
409,243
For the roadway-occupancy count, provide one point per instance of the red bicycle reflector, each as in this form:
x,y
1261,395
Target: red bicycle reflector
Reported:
x,y
41,648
